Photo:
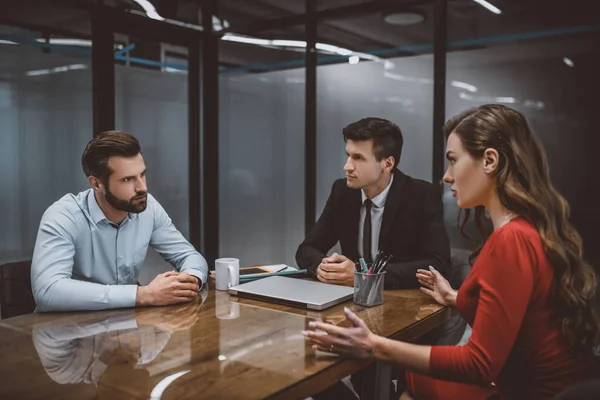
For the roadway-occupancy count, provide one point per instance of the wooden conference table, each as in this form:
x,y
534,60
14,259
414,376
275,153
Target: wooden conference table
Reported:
x,y
218,347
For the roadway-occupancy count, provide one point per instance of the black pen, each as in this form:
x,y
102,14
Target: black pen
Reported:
x,y
381,262
376,260
385,262
381,258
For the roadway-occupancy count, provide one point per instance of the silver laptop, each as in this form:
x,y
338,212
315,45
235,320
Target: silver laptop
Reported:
x,y
294,292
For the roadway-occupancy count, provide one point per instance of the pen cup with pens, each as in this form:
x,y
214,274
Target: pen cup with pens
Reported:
x,y
369,281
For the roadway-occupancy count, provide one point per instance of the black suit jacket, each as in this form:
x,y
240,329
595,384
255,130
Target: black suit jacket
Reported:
x,y
412,230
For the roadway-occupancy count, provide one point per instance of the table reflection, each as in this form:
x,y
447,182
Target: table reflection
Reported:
x,y
121,349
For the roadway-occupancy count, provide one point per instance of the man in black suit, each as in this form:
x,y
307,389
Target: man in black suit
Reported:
x,y
377,207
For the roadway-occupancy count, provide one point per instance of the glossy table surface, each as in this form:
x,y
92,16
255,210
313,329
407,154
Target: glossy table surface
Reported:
x,y
218,347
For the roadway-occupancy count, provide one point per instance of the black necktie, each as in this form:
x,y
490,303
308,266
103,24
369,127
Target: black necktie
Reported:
x,y
367,232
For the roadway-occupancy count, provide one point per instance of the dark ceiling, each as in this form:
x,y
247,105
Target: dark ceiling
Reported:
x,y
357,25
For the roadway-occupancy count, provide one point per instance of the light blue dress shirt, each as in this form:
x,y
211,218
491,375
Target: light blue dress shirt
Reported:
x,y
83,262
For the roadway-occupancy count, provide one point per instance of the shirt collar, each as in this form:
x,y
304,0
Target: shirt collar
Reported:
x,y
94,209
379,200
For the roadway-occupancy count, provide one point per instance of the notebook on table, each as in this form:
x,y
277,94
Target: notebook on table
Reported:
x,y
262,271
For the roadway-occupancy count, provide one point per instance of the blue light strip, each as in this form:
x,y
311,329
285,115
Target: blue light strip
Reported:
x,y
125,50
143,61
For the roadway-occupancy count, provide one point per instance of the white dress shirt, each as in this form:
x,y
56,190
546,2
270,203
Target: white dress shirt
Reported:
x,y
376,218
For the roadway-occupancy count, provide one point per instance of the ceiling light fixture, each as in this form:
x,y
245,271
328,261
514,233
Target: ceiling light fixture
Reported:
x,y
288,43
402,18
333,49
488,6
568,61
300,44
218,24
149,9
66,42
246,39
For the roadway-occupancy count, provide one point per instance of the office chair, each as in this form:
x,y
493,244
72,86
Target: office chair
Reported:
x,y
16,297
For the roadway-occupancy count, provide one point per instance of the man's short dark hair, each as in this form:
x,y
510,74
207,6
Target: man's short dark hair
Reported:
x,y
387,137
105,145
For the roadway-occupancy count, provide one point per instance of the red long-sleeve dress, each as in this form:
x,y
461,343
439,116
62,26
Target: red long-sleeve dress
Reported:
x,y
517,341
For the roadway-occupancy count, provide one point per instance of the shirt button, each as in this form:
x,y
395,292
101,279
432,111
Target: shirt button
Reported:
x,y
120,255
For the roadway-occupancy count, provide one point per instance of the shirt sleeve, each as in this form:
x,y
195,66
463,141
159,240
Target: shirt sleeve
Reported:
x,y
506,282
52,268
174,248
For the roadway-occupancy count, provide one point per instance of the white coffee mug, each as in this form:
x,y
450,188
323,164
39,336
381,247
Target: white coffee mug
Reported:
x,y
228,273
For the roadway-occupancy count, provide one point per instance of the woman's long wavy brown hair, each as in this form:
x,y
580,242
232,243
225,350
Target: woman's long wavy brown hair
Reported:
x,y
523,186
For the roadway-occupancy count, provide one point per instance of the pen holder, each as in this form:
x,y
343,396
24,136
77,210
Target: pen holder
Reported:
x,y
368,289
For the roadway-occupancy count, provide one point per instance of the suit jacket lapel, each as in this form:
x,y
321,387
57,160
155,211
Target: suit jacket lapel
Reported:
x,y
392,205
352,217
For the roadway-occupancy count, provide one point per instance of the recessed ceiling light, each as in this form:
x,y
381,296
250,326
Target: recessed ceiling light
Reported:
x,y
409,17
568,62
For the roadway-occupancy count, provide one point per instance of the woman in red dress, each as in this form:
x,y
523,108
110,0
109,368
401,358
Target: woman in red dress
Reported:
x,y
529,296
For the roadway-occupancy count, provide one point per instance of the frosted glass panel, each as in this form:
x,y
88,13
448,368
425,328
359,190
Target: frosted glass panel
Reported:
x,y
559,101
152,105
45,123
261,166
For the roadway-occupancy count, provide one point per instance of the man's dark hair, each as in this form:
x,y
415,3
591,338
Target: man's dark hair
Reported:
x,y
387,137
105,145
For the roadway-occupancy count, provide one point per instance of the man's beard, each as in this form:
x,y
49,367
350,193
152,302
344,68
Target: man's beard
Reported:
x,y
133,205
